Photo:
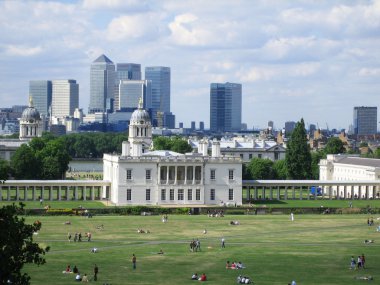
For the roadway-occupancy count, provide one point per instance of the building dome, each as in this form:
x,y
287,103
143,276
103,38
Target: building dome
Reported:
x,y
30,114
140,116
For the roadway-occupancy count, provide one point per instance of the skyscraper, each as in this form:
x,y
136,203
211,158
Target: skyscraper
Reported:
x,y
289,127
102,84
130,92
128,71
365,120
160,77
225,106
41,93
65,98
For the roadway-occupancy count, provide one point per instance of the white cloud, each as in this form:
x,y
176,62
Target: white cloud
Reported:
x,y
369,72
13,50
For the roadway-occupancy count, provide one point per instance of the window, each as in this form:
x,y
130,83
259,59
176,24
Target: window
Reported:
x,y
163,194
250,156
147,194
180,194
259,155
231,174
148,174
276,156
198,194
189,194
241,156
230,194
171,194
129,194
212,194
129,174
212,174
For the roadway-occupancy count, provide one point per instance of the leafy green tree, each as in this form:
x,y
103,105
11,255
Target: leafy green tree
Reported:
x,y
84,147
316,156
55,160
25,164
280,170
298,157
161,143
17,246
261,168
180,145
245,172
4,169
334,146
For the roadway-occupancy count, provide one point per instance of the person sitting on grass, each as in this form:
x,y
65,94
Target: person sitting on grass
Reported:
x,y
195,276
240,265
85,278
203,277
364,278
75,269
233,265
78,278
367,241
94,250
228,266
160,252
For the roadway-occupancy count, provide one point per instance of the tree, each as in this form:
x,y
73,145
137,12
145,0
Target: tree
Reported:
x,y
261,168
161,143
25,164
180,145
4,169
55,160
17,246
316,156
279,168
334,146
298,157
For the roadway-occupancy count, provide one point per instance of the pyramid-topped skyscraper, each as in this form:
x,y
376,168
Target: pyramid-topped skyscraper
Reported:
x,y
102,81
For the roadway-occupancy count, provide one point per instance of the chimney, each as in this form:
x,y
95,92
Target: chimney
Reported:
x,y
205,147
215,151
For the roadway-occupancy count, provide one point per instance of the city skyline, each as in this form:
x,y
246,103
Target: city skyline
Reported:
x,y
315,60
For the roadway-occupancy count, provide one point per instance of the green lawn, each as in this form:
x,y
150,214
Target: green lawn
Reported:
x,y
314,249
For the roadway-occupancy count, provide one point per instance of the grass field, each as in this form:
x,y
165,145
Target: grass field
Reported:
x,y
314,249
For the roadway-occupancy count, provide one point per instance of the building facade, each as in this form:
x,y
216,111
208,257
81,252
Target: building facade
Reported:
x,y
365,120
160,78
130,92
140,177
31,124
102,84
128,71
65,98
225,107
41,92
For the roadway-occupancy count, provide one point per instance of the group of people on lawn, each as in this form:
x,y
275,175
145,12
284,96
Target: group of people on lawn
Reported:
x,y
234,265
78,237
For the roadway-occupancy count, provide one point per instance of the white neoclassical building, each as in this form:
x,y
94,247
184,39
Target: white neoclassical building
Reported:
x,y
142,177
349,168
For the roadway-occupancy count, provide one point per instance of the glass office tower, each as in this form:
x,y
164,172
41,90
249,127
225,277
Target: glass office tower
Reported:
x,y
41,92
102,84
365,120
65,98
225,107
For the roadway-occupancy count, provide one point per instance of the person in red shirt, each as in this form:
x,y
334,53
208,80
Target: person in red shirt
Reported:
x,y
203,277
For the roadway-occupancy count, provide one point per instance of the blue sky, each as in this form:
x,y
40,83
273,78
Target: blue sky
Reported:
x,y
310,59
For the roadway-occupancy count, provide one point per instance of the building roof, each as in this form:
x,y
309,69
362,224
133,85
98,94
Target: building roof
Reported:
x,y
372,162
249,144
102,59
162,153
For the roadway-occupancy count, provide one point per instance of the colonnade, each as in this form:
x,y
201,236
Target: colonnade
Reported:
x,y
181,174
300,190
24,191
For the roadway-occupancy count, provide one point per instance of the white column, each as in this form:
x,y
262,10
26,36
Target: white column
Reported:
x,y
67,193
167,174
84,193
9,193
193,174
159,174
59,193
271,193
293,192
185,175
301,188
26,193
175,175
92,193
51,193
17,193
278,193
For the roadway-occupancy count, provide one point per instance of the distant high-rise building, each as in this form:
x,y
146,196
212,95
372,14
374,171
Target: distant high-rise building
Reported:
x,y
130,92
289,127
201,125
225,107
365,120
312,129
180,125
192,125
41,93
270,124
65,98
102,83
128,71
160,77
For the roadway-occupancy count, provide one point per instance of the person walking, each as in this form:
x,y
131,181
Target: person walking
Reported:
x,y
96,271
134,261
223,243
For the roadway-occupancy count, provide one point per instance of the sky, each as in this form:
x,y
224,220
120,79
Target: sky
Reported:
x,y
295,59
